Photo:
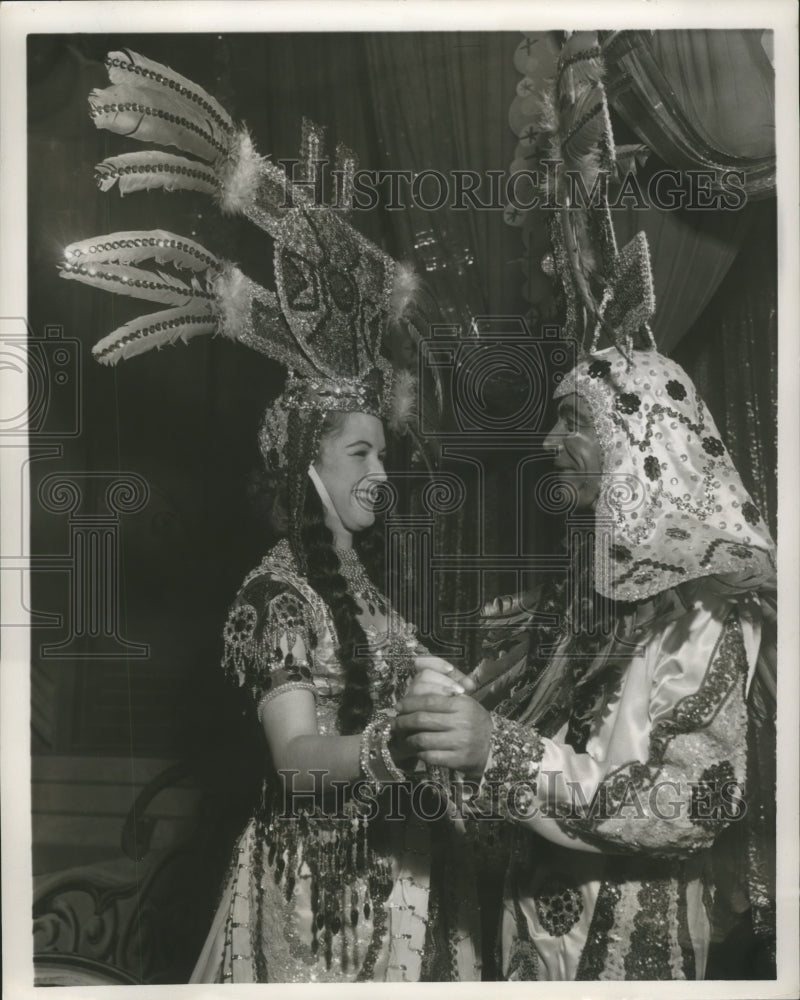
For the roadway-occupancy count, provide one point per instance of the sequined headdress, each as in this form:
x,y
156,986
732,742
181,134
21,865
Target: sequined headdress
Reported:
x,y
334,293
566,138
672,507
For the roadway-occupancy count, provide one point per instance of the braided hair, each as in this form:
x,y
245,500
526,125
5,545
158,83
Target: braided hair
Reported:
x,y
295,511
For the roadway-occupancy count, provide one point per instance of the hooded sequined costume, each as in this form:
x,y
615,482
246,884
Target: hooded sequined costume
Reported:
x,y
627,754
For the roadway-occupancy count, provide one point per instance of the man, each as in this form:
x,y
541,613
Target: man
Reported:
x,y
620,752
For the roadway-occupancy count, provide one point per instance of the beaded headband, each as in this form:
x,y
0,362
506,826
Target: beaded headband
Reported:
x,y
334,293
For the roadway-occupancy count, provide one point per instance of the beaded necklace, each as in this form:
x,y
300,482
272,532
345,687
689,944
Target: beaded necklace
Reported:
x,y
359,583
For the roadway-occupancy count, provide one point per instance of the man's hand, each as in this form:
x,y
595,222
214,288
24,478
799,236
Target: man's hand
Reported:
x,y
449,730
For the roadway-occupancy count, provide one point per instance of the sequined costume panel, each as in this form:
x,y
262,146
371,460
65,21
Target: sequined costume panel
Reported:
x,y
312,898
610,862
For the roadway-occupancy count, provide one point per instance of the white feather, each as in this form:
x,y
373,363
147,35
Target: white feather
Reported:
x,y
404,287
234,300
240,174
404,400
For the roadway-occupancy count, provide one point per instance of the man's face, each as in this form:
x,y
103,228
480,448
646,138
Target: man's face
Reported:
x,y
579,457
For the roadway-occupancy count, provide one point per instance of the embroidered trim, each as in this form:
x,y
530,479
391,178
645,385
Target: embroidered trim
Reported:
x,y
728,666
595,951
649,954
509,781
559,905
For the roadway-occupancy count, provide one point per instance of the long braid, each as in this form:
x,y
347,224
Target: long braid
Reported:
x,y
323,574
294,509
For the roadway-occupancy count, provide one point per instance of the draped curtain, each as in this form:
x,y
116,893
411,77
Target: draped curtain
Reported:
x,y
732,355
439,103
701,100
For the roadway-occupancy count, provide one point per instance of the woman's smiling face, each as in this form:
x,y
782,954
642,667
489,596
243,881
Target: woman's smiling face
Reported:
x,y
579,457
350,464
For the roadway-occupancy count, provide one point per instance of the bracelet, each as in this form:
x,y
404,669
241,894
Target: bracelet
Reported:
x,y
374,756
369,752
282,689
386,756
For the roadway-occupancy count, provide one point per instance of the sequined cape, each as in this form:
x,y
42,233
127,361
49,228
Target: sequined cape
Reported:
x,y
613,821
321,898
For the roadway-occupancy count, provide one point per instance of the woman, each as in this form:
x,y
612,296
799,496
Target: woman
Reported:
x,y
630,752
314,894
313,897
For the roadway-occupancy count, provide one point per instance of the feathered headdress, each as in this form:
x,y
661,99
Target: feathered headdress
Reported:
x,y
334,290
565,132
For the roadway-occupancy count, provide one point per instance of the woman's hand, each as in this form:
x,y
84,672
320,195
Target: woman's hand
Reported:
x,y
436,676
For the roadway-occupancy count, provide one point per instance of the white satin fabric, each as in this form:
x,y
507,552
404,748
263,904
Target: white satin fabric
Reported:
x,y
690,642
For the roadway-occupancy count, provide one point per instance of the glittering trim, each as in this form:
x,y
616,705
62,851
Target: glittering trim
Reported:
x,y
523,960
283,689
559,905
96,110
648,956
595,951
727,668
509,781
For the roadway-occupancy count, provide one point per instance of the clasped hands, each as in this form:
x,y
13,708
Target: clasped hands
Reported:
x,y
439,723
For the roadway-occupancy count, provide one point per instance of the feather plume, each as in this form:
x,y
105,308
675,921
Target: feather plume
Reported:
x,y
404,400
136,282
404,287
546,118
153,331
128,65
583,73
149,116
586,126
233,293
241,174
134,245
152,169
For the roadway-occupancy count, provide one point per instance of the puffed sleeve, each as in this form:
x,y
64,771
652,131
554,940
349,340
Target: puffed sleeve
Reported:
x,y
269,640
683,715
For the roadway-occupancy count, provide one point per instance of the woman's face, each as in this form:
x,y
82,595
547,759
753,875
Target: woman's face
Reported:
x,y
350,464
579,457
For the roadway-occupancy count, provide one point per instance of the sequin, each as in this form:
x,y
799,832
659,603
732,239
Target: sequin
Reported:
x,y
559,905
681,437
